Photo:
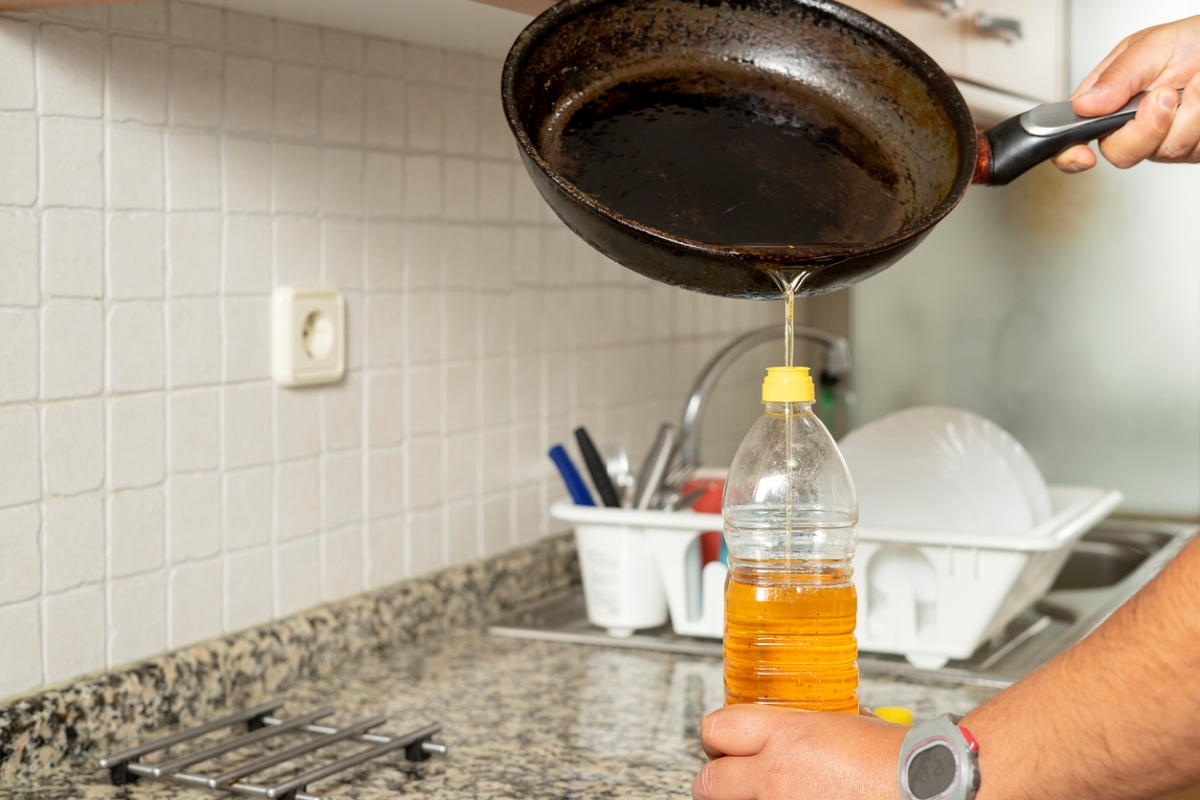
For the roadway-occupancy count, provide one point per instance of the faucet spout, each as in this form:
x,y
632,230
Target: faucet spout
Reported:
x,y
837,366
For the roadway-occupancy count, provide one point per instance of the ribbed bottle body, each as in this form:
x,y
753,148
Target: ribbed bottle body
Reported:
x,y
790,602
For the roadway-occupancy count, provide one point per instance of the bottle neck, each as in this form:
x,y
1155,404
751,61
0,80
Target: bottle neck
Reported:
x,y
788,409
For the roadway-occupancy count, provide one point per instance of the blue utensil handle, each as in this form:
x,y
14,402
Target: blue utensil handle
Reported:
x,y
571,477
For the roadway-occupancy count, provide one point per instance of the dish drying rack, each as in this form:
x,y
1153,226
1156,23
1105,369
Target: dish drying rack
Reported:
x,y
125,767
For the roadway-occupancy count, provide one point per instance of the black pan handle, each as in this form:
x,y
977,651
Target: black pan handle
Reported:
x,y
1016,145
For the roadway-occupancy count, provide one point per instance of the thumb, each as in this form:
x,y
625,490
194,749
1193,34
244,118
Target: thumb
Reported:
x,y
1128,74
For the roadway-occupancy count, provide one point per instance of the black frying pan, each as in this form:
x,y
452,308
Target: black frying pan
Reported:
x,y
699,141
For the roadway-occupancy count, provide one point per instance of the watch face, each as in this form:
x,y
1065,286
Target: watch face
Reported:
x,y
931,771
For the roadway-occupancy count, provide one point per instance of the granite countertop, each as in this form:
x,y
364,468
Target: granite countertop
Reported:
x,y
521,719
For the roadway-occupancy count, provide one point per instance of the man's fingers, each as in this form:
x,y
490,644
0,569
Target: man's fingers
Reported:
x,y
1075,159
1184,136
742,730
1090,81
1129,73
727,779
1142,136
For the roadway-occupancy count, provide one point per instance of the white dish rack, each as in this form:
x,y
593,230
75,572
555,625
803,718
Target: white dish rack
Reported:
x,y
930,596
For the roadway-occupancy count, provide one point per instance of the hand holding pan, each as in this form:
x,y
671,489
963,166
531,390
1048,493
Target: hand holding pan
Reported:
x,y
702,142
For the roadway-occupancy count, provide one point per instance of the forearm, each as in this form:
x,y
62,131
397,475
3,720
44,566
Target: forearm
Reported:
x,y
1117,716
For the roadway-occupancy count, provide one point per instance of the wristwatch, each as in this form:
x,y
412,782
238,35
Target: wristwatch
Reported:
x,y
939,761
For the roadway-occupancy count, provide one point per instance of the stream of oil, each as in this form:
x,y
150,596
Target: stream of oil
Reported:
x,y
790,281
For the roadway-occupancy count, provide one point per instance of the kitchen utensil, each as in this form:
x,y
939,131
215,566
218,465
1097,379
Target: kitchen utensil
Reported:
x,y
699,143
654,468
617,465
711,542
687,501
935,468
571,477
596,468
124,767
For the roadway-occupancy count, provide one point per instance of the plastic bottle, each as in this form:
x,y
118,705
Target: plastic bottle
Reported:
x,y
790,604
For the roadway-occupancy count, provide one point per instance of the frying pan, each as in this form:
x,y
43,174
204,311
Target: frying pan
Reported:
x,y
844,143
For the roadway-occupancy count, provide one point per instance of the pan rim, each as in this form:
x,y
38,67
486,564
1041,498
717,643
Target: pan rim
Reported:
x,y
920,63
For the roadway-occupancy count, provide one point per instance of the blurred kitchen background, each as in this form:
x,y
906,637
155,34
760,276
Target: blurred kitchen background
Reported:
x,y
167,164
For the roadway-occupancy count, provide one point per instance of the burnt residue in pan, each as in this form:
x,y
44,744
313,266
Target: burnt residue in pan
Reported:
x,y
723,153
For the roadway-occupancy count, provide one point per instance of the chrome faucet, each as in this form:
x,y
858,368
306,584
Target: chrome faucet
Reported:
x,y
837,367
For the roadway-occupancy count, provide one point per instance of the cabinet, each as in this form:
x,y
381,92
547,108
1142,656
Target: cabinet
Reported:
x,y
1006,55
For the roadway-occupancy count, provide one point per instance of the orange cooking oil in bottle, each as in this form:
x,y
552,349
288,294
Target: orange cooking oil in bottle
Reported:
x,y
790,603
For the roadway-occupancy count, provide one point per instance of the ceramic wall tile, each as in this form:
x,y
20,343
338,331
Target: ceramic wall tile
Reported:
x,y
137,531
74,541
197,23
74,633
73,253
16,64
21,567
72,71
19,358
19,170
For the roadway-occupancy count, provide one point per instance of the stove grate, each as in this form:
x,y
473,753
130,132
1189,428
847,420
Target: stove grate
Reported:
x,y
126,767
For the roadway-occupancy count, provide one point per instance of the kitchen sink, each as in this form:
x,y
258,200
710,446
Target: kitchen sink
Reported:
x,y
1105,557
1106,567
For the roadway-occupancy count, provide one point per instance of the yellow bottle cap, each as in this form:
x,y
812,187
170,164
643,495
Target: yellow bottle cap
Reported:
x,y
788,385
900,716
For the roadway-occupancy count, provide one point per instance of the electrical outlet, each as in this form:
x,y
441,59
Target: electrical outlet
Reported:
x,y
308,343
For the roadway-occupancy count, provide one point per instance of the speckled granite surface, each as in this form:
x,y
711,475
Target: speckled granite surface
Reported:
x,y
104,713
522,720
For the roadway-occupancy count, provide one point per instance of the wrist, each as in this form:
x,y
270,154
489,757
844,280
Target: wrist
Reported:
x,y
892,740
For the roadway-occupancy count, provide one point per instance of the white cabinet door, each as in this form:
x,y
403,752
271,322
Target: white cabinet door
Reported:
x,y
939,36
1032,65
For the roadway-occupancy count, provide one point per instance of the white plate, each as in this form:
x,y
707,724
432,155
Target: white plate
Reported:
x,y
936,468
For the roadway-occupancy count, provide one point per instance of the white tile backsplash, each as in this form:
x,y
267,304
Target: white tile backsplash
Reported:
x,y
135,169
194,255
136,442
195,602
72,163
19,167
73,254
136,347
167,168
248,502
247,83
16,64
137,617
74,541
137,531
193,168
21,567
195,430
19,356
194,516
72,348
196,87
75,629
71,66
21,657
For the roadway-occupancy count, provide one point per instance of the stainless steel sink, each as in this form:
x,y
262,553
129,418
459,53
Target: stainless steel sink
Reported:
x,y
1108,555
1107,567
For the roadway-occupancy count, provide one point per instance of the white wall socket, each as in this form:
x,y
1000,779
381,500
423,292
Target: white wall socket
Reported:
x,y
308,338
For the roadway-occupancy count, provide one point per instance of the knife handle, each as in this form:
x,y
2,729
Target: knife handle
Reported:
x,y
597,469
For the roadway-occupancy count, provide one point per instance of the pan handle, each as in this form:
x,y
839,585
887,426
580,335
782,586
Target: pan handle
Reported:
x,y
1016,145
